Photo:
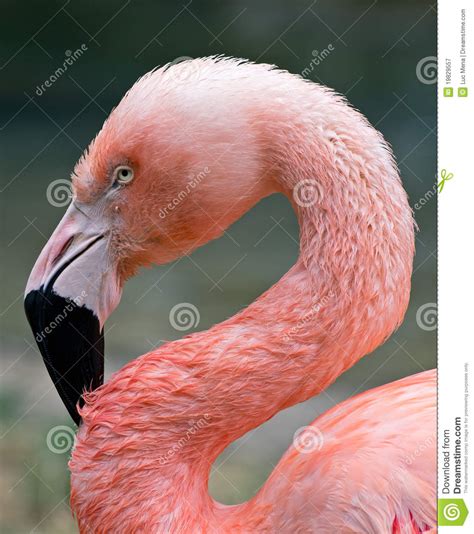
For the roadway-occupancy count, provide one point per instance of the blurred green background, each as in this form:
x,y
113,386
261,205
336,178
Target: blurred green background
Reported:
x,y
376,49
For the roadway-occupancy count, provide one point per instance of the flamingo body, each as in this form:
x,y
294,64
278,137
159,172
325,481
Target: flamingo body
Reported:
x,y
364,467
149,436
372,466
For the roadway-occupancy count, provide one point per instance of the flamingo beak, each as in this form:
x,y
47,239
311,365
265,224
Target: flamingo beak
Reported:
x,y
71,291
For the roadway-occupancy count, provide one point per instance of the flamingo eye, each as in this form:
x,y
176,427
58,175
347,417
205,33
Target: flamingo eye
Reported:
x,y
123,174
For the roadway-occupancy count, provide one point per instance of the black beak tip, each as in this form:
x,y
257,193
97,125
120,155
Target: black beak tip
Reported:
x,y
71,343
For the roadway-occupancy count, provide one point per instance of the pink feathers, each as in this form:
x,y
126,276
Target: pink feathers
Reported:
x,y
258,130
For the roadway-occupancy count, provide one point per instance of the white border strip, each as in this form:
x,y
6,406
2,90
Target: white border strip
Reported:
x,y
456,265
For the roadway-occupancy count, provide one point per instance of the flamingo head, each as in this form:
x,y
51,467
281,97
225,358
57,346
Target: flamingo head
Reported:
x,y
172,167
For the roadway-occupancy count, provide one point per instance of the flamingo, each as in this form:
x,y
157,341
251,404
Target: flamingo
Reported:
x,y
188,150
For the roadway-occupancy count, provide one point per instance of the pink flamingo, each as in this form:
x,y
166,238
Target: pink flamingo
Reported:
x,y
188,150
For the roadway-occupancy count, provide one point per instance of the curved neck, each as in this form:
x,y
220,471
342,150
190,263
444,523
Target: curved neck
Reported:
x,y
346,293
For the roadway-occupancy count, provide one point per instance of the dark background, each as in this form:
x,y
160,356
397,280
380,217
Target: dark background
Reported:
x,y
377,47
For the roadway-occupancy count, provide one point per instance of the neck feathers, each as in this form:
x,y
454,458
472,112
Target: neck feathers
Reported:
x,y
157,426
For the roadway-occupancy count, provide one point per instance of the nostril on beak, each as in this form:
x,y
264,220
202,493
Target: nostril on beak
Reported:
x,y
63,250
